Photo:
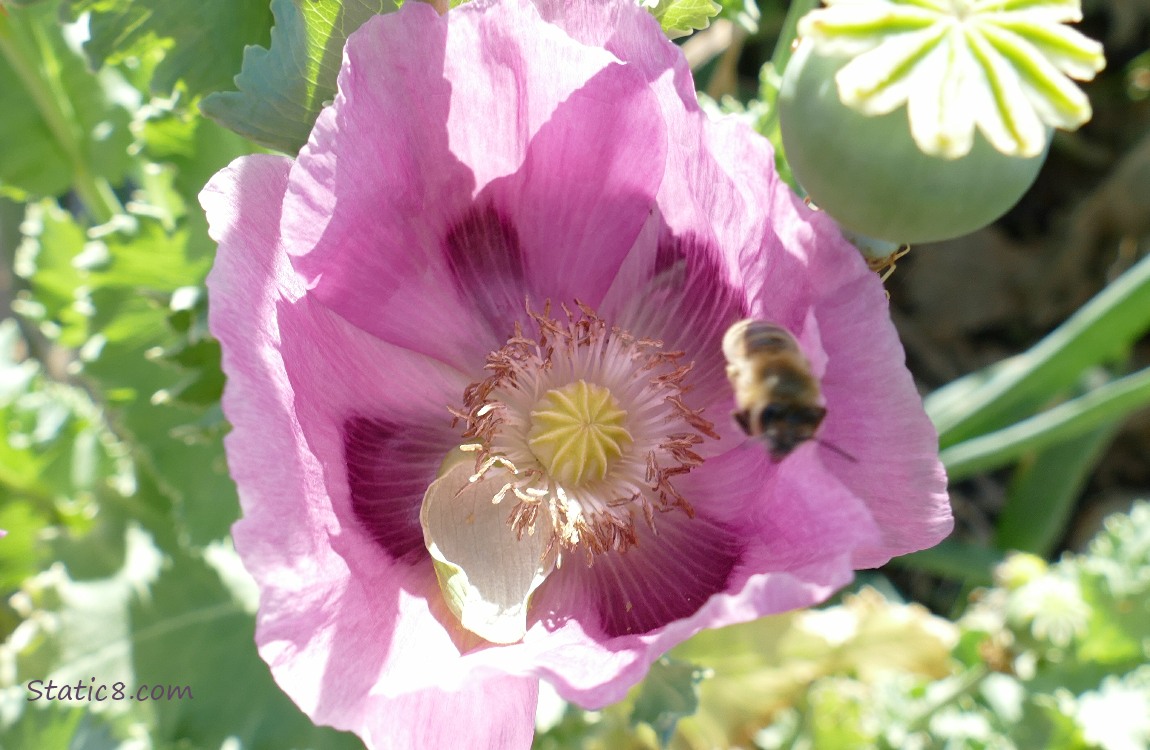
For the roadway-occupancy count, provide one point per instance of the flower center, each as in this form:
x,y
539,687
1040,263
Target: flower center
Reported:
x,y
577,432
587,427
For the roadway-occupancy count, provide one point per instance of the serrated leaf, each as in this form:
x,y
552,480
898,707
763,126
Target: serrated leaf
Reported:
x,y
53,239
1115,580
283,88
129,278
55,109
682,17
192,474
192,631
58,472
80,630
152,259
669,692
204,39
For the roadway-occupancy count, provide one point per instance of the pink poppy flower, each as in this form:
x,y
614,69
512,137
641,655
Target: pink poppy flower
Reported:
x,y
514,231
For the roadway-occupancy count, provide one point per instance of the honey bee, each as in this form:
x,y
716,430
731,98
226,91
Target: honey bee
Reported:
x,y
778,398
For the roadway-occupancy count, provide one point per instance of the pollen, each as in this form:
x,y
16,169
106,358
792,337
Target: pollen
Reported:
x,y
578,433
586,425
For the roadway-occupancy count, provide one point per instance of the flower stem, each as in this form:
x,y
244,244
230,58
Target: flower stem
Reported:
x,y
784,47
771,77
19,39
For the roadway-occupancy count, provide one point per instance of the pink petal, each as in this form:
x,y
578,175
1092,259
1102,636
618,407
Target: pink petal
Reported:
x,y
389,467
874,412
346,629
370,195
489,714
744,559
415,161
587,186
800,271
417,235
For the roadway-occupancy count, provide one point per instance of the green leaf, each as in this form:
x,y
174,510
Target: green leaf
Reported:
x,y
282,89
683,17
58,469
68,133
1117,715
1068,420
77,630
51,726
1043,492
1007,391
192,631
52,241
1115,579
204,39
951,558
148,361
191,472
18,556
669,692
195,149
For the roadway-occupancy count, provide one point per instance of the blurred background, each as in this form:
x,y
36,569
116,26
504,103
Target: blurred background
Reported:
x,y
1028,340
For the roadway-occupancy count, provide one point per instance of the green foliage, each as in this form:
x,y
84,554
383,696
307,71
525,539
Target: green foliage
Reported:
x,y
1051,657
55,726
743,12
1100,332
68,130
162,621
58,463
204,40
995,417
283,88
669,693
117,503
683,17
191,630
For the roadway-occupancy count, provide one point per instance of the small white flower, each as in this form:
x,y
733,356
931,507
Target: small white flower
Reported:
x,y
1001,65
1054,608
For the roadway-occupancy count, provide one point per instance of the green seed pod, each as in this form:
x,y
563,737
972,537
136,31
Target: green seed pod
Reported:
x,y
868,173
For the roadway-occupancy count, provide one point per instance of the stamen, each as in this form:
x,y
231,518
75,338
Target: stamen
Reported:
x,y
591,425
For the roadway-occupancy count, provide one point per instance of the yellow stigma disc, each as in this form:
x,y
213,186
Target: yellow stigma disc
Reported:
x,y
577,432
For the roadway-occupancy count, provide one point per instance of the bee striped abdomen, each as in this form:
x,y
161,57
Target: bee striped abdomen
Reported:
x,y
777,397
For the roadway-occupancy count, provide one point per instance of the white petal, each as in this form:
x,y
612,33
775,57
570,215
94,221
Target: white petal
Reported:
x,y
1003,112
486,573
879,81
1072,52
854,27
941,118
1054,11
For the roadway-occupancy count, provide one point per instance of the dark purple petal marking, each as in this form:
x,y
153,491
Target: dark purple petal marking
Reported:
x,y
688,304
669,253
665,577
389,467
486,263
